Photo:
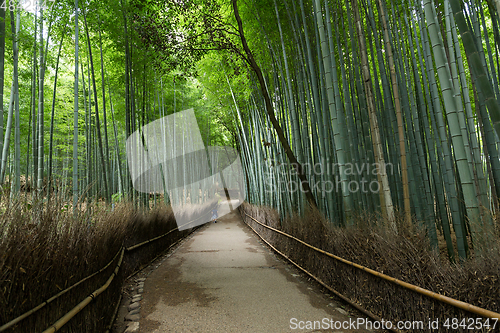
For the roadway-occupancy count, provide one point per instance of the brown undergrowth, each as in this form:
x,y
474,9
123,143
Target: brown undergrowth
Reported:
x,y
44,251
402,256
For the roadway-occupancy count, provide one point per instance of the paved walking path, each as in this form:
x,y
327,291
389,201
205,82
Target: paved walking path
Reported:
x,y
224,280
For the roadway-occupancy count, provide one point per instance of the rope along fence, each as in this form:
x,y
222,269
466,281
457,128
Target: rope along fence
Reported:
x,y
427,293
67,317
53,298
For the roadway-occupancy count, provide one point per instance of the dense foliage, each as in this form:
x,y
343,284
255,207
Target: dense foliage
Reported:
x,y
398,100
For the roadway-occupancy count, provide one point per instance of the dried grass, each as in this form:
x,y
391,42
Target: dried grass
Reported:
x,y
43,251
402,256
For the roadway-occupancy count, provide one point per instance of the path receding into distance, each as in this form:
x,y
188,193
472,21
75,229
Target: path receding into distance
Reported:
x,y
223,279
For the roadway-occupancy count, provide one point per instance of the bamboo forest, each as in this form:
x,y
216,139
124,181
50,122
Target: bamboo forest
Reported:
x,y
353,142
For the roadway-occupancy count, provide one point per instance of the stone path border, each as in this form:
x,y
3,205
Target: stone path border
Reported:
x,y
134,308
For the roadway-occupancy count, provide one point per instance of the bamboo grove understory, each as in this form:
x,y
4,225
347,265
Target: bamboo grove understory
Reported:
x,y
353,106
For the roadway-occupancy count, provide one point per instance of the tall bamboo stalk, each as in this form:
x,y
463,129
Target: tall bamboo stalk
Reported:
x,y
447,90
17,153
40,121
377,145
75,117
397,104
104,166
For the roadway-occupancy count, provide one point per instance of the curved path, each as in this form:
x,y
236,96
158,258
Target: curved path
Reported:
x,y
223,280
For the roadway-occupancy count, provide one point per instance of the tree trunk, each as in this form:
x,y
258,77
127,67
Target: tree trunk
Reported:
x,y
377,144
75,118
478,71
270,110
8,129
17,152
397,105
34,128
469,193
336,113
51,139
2,70
98,123
40,107
105,123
